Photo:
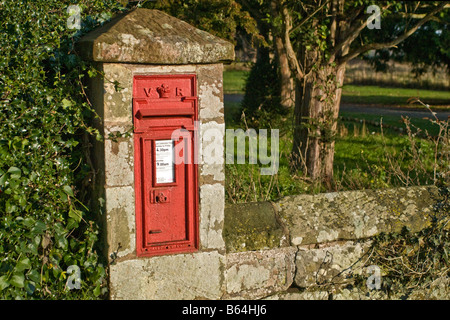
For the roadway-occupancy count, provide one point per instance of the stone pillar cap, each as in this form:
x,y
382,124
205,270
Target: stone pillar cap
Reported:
x,y
153,37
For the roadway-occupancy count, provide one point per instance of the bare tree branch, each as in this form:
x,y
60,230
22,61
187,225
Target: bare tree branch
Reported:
x,y
350,36
393,43
309,17
285,35
333,25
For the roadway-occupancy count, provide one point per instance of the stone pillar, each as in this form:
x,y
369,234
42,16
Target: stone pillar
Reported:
x,y
150,42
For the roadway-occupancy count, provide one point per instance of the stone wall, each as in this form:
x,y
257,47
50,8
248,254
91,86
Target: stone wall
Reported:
x,y
294,247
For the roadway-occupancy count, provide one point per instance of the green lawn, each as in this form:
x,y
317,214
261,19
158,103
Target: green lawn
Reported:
x,y
425,125
393,96
234,82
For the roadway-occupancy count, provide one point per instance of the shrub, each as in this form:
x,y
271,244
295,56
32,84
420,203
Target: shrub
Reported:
x,y
45,225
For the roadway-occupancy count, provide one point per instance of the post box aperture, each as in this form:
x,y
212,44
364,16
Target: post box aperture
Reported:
x,y
165,112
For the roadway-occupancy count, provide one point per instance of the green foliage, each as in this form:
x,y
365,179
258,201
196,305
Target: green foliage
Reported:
x,y
411,261
366,157
261,102
44,225
427,48
222,18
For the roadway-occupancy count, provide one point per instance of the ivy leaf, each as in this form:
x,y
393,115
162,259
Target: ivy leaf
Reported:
x,y
92,73
4,282
30,288
23,264
97,291
34,275
66,103
68,190
15,172
18,280
62,242
71,223
75,214
39,227
3,180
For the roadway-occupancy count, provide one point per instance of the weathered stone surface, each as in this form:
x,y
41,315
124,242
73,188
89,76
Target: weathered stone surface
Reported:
x,y
296,294
333,264
120,221
212,150
117,105
153,37
327,217
212,202
352,215
257,274
182,276
438,290
210,92
119,162
252,226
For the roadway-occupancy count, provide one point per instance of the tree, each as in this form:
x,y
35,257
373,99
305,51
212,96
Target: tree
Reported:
x,y
313,40
221,18
428,48
319,39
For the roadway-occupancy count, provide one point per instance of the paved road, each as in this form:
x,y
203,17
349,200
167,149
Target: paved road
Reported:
x,y
370,109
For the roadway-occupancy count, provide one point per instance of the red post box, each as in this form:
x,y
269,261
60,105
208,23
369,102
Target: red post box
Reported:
x,y
166,190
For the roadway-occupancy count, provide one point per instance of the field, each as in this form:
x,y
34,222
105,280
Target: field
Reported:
x,y
367,156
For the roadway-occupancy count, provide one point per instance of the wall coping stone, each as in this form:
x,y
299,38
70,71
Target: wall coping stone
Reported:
x,y
327,217
153,37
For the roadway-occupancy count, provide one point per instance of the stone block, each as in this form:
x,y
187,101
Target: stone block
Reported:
x,y
212,202
211,149
117,96
252,226
119,162
352,215
332,264
257,274
210,86
183,276
120,221
295,294
153,37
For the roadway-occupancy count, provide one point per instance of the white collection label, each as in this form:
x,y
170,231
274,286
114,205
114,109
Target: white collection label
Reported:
x,y
164,161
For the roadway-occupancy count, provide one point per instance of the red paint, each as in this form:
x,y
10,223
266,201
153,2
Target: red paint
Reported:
x,y
166,212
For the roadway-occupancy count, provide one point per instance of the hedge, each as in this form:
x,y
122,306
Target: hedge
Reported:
x,y
48,235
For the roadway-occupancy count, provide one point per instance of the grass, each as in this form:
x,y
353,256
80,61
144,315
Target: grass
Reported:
x,y
398,75
234,83
393,96
363,161
365,158
365,155
392,121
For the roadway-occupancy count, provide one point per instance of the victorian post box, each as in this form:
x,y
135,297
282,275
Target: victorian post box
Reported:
x,y
165,114
154,202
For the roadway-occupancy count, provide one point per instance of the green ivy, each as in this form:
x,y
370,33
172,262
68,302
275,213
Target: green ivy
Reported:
x,y
45,225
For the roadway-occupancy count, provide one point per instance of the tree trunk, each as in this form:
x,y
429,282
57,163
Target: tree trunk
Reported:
x,y
315,122
287,91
